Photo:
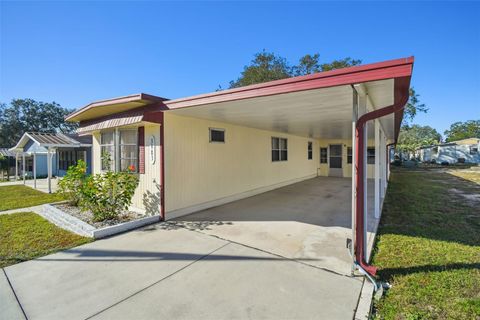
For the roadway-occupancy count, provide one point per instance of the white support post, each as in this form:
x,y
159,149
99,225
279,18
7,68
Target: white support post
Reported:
x,y
365,192
35,170
363,107
23,167
377,170
384,166
16,166
49,170
354,195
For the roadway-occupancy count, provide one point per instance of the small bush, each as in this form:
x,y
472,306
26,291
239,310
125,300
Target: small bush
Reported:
x,y
108,194
71,185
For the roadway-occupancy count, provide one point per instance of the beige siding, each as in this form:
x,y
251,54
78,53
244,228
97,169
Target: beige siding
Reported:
x,y
147,194
198,172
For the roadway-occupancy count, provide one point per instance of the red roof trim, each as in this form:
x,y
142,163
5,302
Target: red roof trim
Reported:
x,y
357,74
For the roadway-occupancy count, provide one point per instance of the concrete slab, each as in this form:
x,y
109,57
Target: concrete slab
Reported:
x,y
308,221
10,309
77,283
236,282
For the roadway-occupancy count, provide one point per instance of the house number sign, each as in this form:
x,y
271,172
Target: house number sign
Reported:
x,y
152,149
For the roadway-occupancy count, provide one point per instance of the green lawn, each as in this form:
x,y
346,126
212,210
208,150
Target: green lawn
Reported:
x,y
26,235
18,196
428,246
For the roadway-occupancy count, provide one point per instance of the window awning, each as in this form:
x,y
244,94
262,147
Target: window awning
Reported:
x,y
125,118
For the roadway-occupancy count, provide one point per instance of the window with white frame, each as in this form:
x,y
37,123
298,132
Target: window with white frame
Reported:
x,y
121,149
310,150
473,149
128,150
279,149
349,155
107,150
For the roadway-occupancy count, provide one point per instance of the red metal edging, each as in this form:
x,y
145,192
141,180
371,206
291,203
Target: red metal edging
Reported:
x,y
401,95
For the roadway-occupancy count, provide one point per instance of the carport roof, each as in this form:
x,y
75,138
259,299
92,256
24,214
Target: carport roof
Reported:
x,y
319,105
346,76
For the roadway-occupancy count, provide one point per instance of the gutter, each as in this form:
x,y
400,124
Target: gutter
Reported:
x,y
400,100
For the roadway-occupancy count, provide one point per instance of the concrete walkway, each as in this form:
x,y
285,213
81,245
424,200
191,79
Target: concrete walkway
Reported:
x,y
42,184
35,209
168,272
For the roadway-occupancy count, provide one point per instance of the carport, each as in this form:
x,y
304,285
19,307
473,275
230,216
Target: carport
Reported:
x,y
308,221
362,105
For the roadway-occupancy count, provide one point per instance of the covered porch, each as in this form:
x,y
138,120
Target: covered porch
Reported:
x,y
41,157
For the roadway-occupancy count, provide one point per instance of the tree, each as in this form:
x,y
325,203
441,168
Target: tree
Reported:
x,y
27,115
413,107
415,136
267,66
463,130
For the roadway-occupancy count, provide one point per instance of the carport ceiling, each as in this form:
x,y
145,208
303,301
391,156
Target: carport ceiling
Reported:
x,y
317,113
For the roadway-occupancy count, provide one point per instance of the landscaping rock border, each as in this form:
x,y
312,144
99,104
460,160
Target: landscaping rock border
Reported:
x,y
73,224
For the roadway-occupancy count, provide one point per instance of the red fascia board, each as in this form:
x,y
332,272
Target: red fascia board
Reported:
x,y
346,76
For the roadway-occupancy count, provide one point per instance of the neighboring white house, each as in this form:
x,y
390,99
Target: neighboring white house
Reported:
x,y
465,150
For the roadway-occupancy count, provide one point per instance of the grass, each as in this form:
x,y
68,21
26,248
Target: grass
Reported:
x,y
18,196
25,236
428,246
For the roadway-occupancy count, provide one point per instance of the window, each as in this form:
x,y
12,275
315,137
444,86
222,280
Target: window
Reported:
x,y
217,135
473,149
371,155
107,149
128,150
323,155
349,155
279,149
310,150
66,159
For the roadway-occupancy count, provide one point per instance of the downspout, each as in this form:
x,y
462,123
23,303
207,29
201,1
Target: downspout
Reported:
x,y
400,100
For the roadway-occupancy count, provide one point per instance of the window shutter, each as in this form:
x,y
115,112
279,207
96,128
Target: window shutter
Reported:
x,y
141,150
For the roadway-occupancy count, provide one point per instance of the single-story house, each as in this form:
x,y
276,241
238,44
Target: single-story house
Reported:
x,y
202,151
44,155
460,151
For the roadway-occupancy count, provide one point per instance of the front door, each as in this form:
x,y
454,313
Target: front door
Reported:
x,y
335,160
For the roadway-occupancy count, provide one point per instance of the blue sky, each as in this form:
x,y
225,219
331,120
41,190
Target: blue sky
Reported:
x,y
77,52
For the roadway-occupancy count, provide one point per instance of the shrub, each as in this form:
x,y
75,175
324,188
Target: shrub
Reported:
x,y
108,194
71,185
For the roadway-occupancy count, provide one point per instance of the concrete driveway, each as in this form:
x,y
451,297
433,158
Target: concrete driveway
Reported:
x,y
309,221
205,266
